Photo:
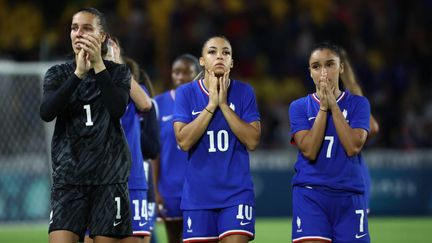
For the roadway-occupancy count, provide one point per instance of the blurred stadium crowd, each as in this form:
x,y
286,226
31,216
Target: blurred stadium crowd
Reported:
x,y
389,42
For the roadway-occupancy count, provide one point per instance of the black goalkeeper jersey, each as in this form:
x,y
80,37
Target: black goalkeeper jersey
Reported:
x,y
88,145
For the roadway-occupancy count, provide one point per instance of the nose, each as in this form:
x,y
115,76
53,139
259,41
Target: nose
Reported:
x,y
80,32
323,71
219,55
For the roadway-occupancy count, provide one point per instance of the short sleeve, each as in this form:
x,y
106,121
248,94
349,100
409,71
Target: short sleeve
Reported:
x,y
250,109
182,107
360,118
298,117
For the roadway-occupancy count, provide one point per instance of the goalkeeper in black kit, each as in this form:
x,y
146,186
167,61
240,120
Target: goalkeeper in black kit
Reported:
x,y
90,156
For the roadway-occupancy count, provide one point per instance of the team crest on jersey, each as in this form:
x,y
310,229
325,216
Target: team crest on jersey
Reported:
x,y
298,221
189,224
345,114
232,106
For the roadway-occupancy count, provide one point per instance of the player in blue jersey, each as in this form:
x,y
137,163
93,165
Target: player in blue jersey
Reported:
x,y
130,123
216,120
350,83
170,166
329,128
137,183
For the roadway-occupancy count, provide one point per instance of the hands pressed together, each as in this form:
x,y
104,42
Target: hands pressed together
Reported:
x,y
326,93
89,56
218,90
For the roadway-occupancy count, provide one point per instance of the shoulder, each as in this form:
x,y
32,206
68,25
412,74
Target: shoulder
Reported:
x,y
60,71
300,101
162,96
62,67
116,67
356,99
187,87
242,85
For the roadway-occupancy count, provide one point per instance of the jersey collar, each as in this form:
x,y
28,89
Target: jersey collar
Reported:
x,y
204,89
315,97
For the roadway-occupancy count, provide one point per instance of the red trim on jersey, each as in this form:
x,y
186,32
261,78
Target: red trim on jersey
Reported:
x,y
203,88
142,234
311,238
236,232
200,239
315,97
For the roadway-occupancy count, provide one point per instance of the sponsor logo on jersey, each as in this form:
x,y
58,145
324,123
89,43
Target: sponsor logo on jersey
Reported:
x,y
167,118
244,223
357,236
194,113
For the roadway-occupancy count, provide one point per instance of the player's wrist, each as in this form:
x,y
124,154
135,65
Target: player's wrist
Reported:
x,y
79,74
99,67
211,108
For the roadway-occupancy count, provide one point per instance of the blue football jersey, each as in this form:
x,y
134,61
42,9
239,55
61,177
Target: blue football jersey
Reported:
x,y
218,172
131,127
333,168
173,160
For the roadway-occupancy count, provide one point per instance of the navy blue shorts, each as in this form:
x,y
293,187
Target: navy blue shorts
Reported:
x,y
215,224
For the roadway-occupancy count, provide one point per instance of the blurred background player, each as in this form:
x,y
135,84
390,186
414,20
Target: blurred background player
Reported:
x,y
137,183
329,128
90,157
170,166
217,121
351,83
150,147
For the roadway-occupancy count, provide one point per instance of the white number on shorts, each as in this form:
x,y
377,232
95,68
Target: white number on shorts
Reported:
x,y
118,215
362,214
244,211
89,121
222,141
143,214
329,148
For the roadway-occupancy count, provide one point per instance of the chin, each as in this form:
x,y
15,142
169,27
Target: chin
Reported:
x,y
219,72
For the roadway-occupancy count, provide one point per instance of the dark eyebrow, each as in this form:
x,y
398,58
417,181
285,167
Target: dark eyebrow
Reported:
x,y
85,25
214,47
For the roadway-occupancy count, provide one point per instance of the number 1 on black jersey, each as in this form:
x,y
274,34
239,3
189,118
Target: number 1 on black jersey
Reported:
x,y
89,121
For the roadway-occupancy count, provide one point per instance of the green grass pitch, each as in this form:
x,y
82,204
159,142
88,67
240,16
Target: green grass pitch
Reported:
x,y
268,230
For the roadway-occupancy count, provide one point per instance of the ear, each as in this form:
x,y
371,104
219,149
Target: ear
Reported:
x,y
232,63
341,68
201,61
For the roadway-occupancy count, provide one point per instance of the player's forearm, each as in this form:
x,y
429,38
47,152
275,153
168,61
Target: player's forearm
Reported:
x,y
351,139
140,97
115,98
55,102
374,127
187,135
249,134
310,142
